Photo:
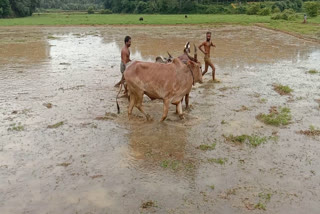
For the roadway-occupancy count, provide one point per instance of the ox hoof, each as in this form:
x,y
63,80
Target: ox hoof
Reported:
x,y
181,116
162,119
149,118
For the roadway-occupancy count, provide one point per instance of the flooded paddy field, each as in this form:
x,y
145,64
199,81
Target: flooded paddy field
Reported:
x,y
64,148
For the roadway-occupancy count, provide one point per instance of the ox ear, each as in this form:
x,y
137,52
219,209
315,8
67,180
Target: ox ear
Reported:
x,y
190,63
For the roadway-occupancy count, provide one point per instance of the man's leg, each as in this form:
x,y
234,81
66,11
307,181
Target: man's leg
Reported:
x,y
121,81
213,71
205,68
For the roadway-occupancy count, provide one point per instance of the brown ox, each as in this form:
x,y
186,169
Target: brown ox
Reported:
x,y
169,82
185,57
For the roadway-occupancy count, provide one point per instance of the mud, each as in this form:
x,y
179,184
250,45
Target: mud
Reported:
x,y
96,161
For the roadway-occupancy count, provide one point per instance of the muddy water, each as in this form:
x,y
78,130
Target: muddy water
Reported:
x,y
99,162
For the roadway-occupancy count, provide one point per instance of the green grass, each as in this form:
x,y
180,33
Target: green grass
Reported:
x,y
55,125
260,206
313,131
282,89
310,30
130,19
253,140
313,71
205,147
16,127
172,164
220,161
276,117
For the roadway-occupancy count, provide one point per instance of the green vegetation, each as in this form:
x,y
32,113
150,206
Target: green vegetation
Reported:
x,y
313,71
253,140
90,10
313,131
220,161
16,127
172,164
282,89
276,117
260,206
205,147
312,8
130,19
212,187
71,18
264,198
171,6
263,100
287,14
83,5
17,8
55,125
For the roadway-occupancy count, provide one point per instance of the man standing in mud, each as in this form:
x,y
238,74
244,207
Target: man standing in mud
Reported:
x,y
125,58
207,45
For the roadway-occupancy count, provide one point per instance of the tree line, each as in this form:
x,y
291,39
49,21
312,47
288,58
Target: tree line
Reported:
x,y
27,7
18,8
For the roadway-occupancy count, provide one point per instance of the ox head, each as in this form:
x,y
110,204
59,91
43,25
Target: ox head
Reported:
x,y
160,59
195,58
196,70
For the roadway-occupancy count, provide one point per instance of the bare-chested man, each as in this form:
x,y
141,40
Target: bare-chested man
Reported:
x,y
207,45
125,57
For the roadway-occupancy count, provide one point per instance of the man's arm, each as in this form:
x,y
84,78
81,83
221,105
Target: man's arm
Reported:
x,y
212,45
200,48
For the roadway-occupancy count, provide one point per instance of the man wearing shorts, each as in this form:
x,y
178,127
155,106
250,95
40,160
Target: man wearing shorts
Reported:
x,y
125,57
207,45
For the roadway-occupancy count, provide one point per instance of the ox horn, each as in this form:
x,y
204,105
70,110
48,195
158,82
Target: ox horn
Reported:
x,y
169,54
195,53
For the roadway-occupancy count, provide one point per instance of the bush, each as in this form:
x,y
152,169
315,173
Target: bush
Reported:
x,y
288,4
311,8
241,10
217,10
106,11
253,9
265,11
4,8
276,10
276,16
90,10
287,14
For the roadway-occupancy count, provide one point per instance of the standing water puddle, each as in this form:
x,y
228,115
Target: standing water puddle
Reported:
x,y
63,148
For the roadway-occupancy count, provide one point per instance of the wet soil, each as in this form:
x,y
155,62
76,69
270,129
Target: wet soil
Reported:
x,y
63,148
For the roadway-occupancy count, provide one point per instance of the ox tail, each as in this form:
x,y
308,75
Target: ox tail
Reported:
x,y
118,107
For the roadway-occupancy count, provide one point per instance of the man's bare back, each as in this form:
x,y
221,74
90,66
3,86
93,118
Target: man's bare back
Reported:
x,y
125,57
125,54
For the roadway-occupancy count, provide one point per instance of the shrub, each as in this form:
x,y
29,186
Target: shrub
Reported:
x,y
90,10
217,10
253,9
311,8
276,10
287,14
265,11
4,8
106,11
241,10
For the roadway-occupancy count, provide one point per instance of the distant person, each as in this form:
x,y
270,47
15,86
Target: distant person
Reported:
x,y
305,18
125,58
207,45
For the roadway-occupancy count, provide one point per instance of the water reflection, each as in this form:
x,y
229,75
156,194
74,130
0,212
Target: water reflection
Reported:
x,y
157,141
